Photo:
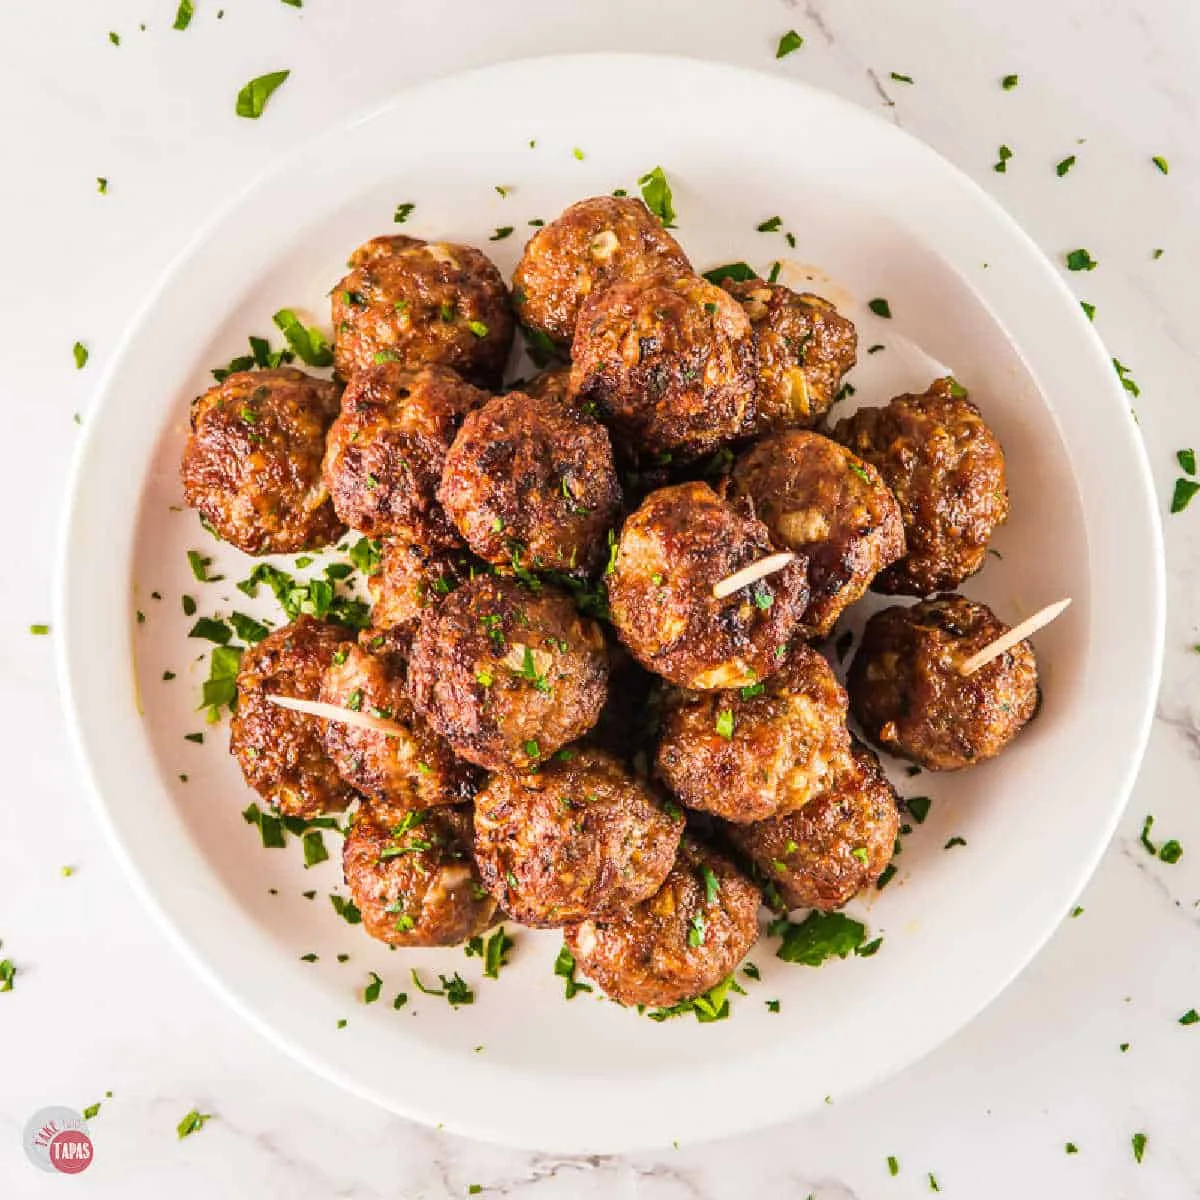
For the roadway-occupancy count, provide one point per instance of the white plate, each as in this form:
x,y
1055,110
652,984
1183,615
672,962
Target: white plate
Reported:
x,y
875,213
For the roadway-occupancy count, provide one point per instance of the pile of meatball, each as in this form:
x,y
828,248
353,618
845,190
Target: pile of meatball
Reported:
x,y
555,718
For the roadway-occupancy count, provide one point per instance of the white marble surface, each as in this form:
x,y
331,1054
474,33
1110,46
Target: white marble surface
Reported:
x,y
101,1002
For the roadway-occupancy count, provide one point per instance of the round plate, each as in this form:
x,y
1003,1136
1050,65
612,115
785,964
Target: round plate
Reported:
x,y
874,214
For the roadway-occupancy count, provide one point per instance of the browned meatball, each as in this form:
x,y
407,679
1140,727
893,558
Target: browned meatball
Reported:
x,y
553,384
412,768
252,461
805,347
576,839
824,854
672,550
821,501
670,363
414,882
412,577
280,751
415,303
907,693
682,941
946,469
532,482
760,751
387,449
507,675
593,244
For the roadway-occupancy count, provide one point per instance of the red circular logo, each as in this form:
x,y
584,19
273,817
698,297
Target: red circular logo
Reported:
x,y
71,1151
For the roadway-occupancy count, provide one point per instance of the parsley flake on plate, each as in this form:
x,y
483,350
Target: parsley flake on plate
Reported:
x,y
564,968
252,99
656,192
789,43
880,307
818,937
191,1123
1009,82
309,345
1080,260
1064,165
184,14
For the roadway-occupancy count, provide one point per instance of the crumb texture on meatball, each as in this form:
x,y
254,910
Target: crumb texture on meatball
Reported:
x,y
805,347
507,674
415,882
669,363
387,450
591,245
414,767
578,838
679,543
907,694
946,469
252,461
753,753
414,303
824,503
824,854
680,942
410,579
531,482
280,752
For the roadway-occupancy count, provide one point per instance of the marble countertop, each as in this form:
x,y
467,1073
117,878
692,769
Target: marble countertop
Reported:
x,y
1085,1048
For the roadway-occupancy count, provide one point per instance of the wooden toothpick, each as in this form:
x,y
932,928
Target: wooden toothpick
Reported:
x,y
752,574
339,716
1018,633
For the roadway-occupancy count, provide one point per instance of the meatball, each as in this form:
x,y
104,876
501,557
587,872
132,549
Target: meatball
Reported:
x,y
680,543
805,347
387,449
280,751
576,839
946,469
821,501
507,675
679,943
553,384
415,303
824,854
907,693
669,363
593,244
761,751
413,768
252,461
414,882
411,577
531,482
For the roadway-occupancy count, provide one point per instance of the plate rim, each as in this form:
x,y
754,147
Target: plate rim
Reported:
x,y
66,620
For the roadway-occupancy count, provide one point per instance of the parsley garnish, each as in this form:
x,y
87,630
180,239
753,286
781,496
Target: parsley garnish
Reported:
x,y
818,937
880,307
309,344
770,225
788,44
1127,381
1191,1017
402,213
211,630
1003,155
954,841
1185,489
1160,163
80,351
564,968
892,1162
252,99
1065,165
346,909
8,974
713,1005
1080,260
724,723
501,233
495,953
191,1123
656,192
478,328
184,14
1186,460
454,989
372,990
1009,82
739,272
1138,1142
918,806
900,78
698,926
1089,310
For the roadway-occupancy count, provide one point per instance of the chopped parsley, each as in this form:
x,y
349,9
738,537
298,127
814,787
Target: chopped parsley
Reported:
x,y
1077,911
346,909
372,990
212,630
80,351
102,185
1185,490
270,828
918,806
115,38
1064,166
1009,82
656,192
8,974
697,928
314,848
818,937
900,78
309,345
869,949
1191,1017
1002,157
1127,381
39,630
1160,163
788,44
1080,260
367,555
184,14
724,723
770,225
751,690
247,628
191,1123
1089,310
220,688
880,307
739,272
402,213
564,968
252,99
713,1005
579,154
532,749
1138,1141
892,1161
1071,1148
751,971
1186,460
502,231
454,989
773,274
772,1006
954,841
